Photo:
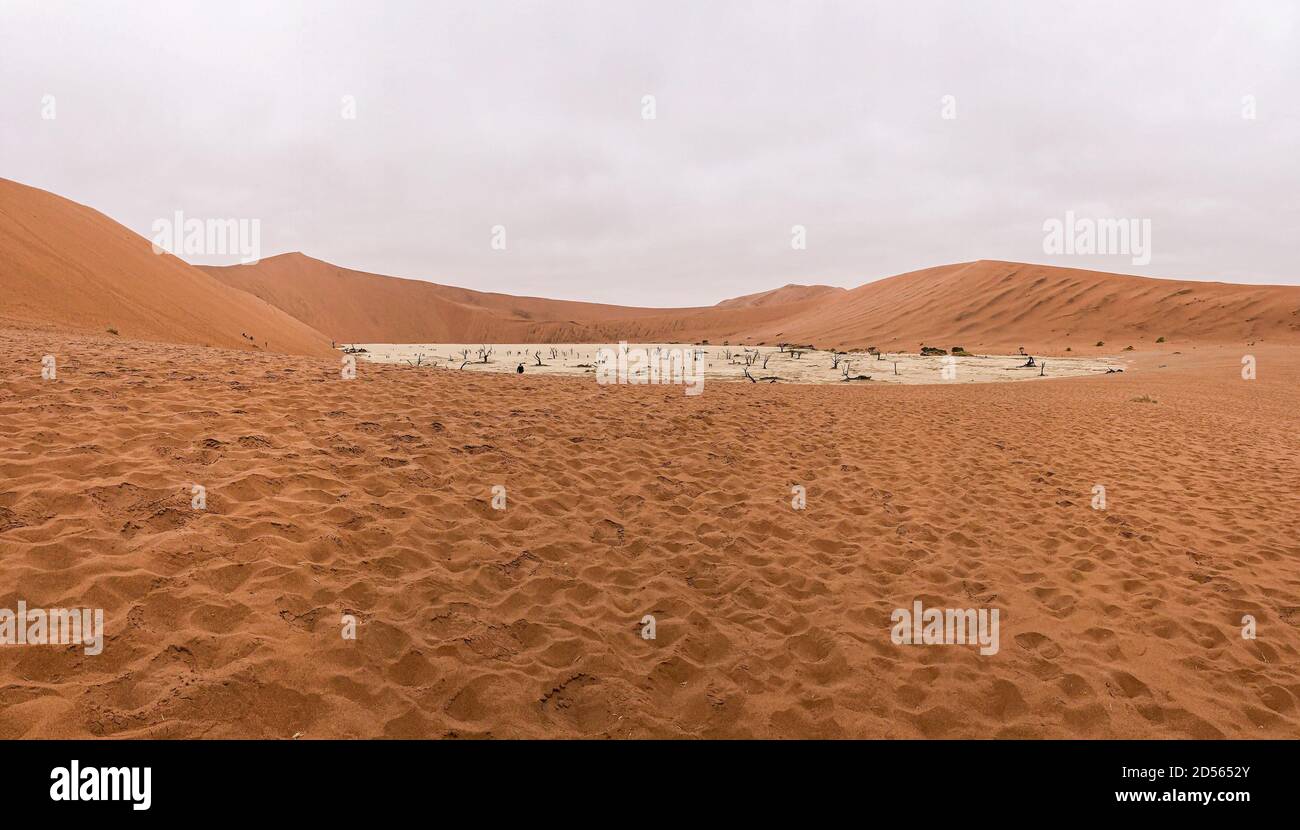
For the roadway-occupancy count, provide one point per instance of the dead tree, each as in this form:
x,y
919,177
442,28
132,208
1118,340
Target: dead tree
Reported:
x,y
766,358
537,355
748,375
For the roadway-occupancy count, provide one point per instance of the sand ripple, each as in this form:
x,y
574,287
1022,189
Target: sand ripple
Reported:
x,y
374,498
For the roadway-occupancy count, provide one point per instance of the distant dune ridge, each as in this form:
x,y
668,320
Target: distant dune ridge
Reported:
x,y
68,266
986,305
71,267
357,307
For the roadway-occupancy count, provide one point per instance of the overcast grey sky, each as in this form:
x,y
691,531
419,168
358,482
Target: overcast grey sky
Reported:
x,y
768,115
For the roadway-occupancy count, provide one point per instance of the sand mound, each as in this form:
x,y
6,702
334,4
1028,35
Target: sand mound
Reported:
x,y
372,498
67,266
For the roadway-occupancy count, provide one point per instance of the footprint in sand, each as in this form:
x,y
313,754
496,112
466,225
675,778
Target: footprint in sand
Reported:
x,y
1039,644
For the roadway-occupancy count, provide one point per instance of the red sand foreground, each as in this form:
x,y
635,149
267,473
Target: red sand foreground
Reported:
x,y
371,498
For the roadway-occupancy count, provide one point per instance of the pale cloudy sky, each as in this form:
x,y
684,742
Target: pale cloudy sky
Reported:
x,y
768,115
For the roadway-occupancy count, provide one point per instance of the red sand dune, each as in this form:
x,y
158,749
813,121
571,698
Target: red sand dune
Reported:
x,y
997,305
985,305
358,307
65,265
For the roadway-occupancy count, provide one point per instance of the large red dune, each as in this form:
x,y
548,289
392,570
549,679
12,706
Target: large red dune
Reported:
x,y
993,305
358,307
66,266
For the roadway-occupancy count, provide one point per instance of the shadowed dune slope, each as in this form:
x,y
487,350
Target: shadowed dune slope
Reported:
x,y
67,266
